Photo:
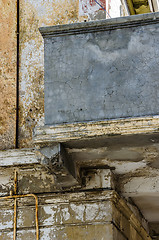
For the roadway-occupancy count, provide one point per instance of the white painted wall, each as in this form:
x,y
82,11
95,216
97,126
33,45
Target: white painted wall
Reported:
x,y
89,8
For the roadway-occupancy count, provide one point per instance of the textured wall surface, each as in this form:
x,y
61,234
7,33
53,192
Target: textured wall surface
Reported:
x,y
34,14
103,74
86,215
8,52
91,10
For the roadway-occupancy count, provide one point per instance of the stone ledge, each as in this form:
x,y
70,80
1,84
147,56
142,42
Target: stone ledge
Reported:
x,y
77,131
95,26
16,157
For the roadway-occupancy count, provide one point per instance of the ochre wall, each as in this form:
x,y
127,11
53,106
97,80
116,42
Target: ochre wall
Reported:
x,y
33,14
8,51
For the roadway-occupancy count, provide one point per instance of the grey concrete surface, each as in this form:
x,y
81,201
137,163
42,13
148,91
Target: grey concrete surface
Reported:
x,y
102,73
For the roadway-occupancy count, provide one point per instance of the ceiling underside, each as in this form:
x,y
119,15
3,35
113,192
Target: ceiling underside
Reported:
x,y
135,162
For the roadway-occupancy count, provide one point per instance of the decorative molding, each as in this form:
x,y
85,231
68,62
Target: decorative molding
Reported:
x,y
102,25
77,131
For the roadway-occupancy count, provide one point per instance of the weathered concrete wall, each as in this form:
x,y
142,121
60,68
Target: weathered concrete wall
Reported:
x,y
78,215
34,14
103,73
101,215
8,53
134,177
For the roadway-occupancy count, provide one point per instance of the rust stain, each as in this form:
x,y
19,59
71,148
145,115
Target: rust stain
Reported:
x,y
8,51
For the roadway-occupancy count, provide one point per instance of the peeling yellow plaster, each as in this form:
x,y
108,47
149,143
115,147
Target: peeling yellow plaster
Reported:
x,y
7,73
34,14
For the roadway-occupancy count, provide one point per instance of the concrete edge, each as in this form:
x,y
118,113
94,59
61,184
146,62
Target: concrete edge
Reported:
x,y
16,157
84,130
101,25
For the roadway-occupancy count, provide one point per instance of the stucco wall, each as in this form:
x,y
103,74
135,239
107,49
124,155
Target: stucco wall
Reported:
x,y
34,14
110,71
89,215
8,51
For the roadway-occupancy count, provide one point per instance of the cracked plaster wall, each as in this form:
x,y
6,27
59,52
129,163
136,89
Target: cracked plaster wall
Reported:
x,y
93,215
103,75
8,50
33,14
31,114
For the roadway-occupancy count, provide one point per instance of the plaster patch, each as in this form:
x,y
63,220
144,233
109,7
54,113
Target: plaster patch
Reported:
x,y
49,212
91,211
4,220
65,214
79,211
127,167
125,155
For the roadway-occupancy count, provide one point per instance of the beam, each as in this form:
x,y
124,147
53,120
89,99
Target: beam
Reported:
x,y
54,158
